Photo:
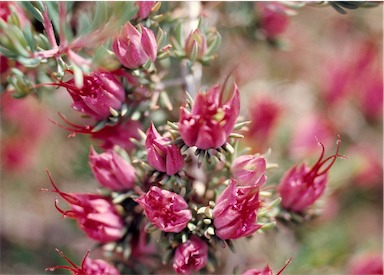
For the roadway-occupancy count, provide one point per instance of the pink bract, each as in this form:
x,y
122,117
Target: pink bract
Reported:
x,y
161,155
134,48
249,170
166,210
111,170
190,256
234,215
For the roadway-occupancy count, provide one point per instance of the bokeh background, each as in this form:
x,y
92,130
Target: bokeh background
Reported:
x,y
302,72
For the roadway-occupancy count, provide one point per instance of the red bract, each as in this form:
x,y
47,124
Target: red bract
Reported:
x,y
134,48
249,170
161,155
88,266
301,185
95,215
190,256
145,8
166,210
100,93
111,170
212,118
234,215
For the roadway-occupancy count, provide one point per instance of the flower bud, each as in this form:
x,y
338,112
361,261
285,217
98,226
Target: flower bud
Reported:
x,y
212,118
134,48
145,8
249,170
166,210
234,215
301,185
161,155
195,45
95,215
190,256
100,93
111,170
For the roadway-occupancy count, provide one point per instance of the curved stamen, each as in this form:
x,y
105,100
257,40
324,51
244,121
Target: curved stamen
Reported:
x,y
286,264
83,261
333,157
69,198
317,164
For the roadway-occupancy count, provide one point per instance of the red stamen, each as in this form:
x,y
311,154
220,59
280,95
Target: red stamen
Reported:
x,y
69,198
286,264
75,269
83,261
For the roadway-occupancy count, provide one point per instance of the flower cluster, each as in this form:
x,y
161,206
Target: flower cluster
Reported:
x,y
175,183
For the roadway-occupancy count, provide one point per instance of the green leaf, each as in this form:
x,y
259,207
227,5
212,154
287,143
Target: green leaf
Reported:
x,y
34,11
29,37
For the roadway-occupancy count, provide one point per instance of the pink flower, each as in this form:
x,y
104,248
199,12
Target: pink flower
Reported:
x,y
306,131
88,266
161,155
111,170
371,263
249,170
95,215
100,93
134,48
273,19
212,119
166,210
145,8
190,256
264,114
301,185
234,215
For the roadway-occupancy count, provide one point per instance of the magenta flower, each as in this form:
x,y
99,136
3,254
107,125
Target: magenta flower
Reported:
x,y
111,170
95,215
145,8
161,155
306,129
301,185
190,256
166,210
368,263
249,170
88,266
234,215
100,93
273,18
134,48
212,119
264,115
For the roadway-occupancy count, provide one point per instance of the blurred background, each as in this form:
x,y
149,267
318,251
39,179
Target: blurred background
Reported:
x,y
303,72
